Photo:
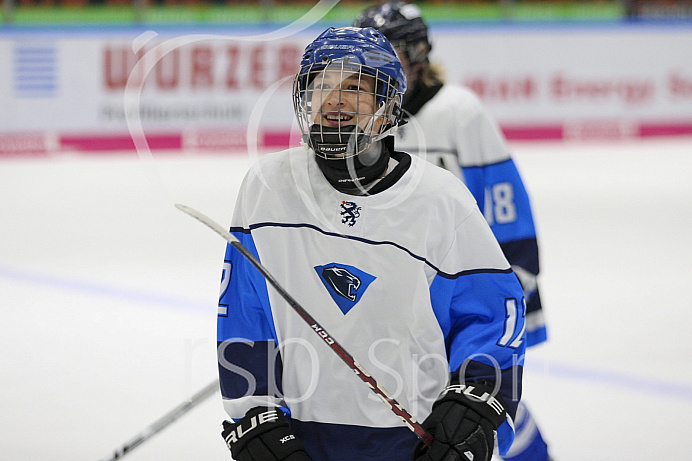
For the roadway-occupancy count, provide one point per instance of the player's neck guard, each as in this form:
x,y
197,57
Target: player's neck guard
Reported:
x,y
354,175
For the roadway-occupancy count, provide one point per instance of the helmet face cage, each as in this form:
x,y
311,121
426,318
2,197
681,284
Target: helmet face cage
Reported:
x,y
342,104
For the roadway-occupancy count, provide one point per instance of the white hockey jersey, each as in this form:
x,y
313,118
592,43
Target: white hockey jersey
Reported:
x,y
410,281
454,130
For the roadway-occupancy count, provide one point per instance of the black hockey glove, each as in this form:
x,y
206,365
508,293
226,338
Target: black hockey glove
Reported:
x,y
463,423
263,434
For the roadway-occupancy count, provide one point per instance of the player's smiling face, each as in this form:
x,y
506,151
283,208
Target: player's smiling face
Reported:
x,y
342,98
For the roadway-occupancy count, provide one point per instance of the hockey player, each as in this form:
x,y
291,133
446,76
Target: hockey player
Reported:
x,y
459,135
393,257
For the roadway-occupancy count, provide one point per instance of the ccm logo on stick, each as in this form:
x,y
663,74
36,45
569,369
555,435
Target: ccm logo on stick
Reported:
x,y
323,334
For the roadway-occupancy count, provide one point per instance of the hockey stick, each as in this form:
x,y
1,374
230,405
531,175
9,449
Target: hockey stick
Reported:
x,y
398,410
163,422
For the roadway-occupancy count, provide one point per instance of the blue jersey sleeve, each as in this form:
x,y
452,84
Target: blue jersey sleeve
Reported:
x,y
482,316
249,362
501,196
504,201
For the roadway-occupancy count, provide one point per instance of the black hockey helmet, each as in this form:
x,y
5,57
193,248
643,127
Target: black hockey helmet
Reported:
x,y
402,24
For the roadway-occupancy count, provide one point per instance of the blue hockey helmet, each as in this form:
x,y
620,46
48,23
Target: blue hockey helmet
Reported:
x,y
348,52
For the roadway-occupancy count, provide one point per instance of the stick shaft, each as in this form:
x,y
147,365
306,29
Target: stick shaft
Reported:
x,y
166,420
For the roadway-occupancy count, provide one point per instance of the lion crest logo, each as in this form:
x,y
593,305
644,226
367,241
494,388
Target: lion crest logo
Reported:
x,y
350,211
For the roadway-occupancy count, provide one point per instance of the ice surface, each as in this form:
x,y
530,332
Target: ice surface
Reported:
x,y
108,301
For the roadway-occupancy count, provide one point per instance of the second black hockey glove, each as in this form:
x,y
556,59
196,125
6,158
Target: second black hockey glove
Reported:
x,y
463,423
263,434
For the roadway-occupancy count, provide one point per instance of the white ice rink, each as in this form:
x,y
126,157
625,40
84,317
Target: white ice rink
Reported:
x,y
108,301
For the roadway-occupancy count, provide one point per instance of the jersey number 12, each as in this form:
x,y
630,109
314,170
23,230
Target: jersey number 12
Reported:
x,y
514,323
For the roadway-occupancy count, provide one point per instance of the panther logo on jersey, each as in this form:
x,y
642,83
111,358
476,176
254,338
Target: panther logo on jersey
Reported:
x,y
345,284
342,281
350,211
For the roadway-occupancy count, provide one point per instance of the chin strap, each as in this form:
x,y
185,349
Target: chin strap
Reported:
x,y
329,141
